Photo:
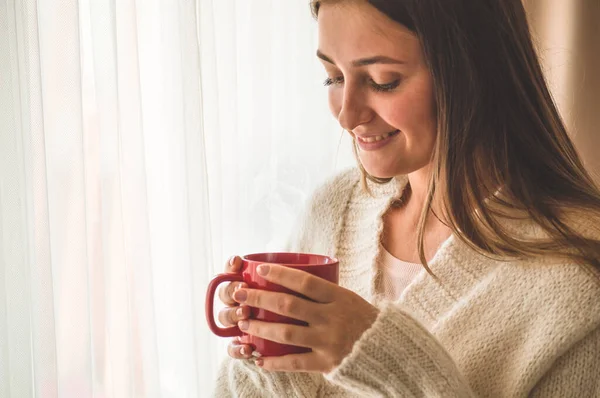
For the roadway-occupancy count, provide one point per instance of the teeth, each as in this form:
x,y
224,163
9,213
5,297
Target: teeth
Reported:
x,y
377,138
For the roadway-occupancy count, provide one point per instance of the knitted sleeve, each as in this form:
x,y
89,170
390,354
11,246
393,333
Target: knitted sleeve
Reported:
x,y
239,378
576,373
398,357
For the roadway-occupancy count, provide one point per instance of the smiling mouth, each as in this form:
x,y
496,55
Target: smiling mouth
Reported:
x,y
377,138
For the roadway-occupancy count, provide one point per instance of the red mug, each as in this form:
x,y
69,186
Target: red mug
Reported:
x,y
315,264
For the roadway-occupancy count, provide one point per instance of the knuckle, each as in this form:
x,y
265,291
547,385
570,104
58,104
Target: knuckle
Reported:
x,y
254,329
223,291
232,350
233,264
319,317
239,313
231,315
229,264
295,364
221,318
307,284
235,286
255,298
320,340
225,317
287,334
229,293
284,305
275,272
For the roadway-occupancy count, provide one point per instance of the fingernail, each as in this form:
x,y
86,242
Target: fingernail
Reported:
x,y
239,312
263,269
240,296
244,351
243,325
260,362
231,261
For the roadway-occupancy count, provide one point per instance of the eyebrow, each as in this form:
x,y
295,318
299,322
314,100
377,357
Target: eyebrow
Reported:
x,y
378,59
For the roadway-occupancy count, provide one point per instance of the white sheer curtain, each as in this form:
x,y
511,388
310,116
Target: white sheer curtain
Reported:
x,y
141,144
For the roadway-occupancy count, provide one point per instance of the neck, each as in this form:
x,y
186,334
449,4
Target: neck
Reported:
x,y
419,186
419,181
400,223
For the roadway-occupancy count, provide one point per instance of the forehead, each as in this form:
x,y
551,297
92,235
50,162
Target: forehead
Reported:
x,y
355,29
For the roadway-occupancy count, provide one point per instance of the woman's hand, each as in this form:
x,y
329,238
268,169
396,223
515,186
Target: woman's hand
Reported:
x,y
336,318
234,313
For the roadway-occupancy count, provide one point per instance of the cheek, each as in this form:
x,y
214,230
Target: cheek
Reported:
x,y
414,107
335,103
414,114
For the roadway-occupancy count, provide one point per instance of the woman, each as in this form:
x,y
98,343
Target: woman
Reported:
x,y
465,172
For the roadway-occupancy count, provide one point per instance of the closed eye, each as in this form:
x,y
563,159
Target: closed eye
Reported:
x,y
333,81
386,86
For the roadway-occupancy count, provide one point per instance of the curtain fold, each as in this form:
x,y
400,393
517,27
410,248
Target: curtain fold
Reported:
x,y
142,144
100,129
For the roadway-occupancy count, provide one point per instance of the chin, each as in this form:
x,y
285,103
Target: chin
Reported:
x,y
381,173
383,166
392,169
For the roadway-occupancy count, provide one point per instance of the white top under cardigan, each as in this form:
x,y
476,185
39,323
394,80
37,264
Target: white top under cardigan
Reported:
x,y
481,328
396,274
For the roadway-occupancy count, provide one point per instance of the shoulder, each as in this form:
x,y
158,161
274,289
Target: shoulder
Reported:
x,y
587,227
534,311
561,280
558,293
553,280
544,290
560,302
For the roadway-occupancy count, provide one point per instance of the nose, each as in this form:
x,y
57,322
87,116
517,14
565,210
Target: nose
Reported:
x,y
354,110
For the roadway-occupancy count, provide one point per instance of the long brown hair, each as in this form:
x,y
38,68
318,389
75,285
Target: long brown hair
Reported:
x,y
502,148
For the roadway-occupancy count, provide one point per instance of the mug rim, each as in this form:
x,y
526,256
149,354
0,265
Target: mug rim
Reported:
x,y
329,260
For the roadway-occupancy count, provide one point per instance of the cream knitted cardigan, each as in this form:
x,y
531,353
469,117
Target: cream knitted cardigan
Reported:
x,y
484,328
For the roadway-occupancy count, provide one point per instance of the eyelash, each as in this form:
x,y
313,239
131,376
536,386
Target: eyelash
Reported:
x,y
387,87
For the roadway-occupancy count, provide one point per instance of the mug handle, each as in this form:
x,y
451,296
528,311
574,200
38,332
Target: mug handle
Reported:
x,y
209,308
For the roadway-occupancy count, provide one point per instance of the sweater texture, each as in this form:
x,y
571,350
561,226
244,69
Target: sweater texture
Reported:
x,y
483,328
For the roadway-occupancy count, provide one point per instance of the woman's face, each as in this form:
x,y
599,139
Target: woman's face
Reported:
x,y
380,88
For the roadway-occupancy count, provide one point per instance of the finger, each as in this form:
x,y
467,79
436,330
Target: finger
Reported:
x,y
231,316
280,303
283,333
313,287
233,265
237,350
226,292
308,362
